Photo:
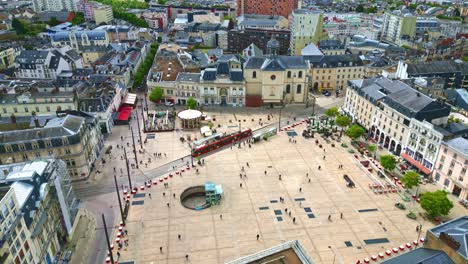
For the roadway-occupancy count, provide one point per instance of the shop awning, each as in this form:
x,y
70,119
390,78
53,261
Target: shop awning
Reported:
x,y
130,99
124,113
415,163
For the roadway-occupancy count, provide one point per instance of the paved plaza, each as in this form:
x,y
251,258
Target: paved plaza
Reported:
x,y
255,209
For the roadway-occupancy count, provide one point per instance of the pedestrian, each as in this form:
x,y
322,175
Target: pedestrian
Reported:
x,y
114,169
168,205
160,249
242,168
309,180
417,228
323,150
319,167
221,216
279,177
329,217
118,254
323,157
294,220
173,195
186,257
341,215
289,213
258,236
300,204
286,210
164,194
240,185
179,236
300,189
149,195
265,172
240,175
248,165
307,175
203,161
126,232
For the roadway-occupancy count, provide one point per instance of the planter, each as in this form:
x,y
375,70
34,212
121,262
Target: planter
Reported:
x,y
411,215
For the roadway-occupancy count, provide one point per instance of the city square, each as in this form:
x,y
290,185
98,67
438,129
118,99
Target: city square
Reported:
x,y
228,231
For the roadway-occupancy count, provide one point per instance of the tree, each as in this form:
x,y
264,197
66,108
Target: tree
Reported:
x,y
372,149
162,2
78,18
388,162
191,103
343,121
331,112
436,203
159,39
156,94
410,179
355,131
18,26
53,21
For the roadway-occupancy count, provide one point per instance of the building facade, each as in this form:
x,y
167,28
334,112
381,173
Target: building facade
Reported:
x,y
238,40
79,39
40,64
306,28
267,7
451,166
397,25
102,14
38,211
7,57
54,5
392,111
75,140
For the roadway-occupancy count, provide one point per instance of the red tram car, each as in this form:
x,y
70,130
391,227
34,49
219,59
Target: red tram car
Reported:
x,y
223,141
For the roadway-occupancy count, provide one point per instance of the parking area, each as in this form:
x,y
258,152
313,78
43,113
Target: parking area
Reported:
x,y
331,220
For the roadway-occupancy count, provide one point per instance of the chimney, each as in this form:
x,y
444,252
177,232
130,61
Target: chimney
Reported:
x,y
36,122
13,118
190,17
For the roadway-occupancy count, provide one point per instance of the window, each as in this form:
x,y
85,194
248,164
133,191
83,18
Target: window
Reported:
x,y
289,74
15,109
273,77
300,74
446,182
449,173
67,151
4,110
26,110
299,88
288,88
254,74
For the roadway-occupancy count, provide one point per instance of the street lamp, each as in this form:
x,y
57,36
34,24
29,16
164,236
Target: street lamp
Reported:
x,y
139,130
118,197
334,254
128,169
111,255
419,232
134,148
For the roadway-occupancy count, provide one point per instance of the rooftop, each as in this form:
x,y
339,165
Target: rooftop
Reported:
x,y
458,230
421,256
459,144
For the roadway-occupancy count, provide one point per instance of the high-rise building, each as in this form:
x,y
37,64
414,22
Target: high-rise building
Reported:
x,y
306,28
267,7
397,26
54,5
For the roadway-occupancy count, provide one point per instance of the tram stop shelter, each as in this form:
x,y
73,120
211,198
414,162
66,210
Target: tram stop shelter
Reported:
x,y
190,118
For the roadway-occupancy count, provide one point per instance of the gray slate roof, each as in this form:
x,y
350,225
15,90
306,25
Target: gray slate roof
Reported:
x,y
421,256
31,56
458,230
188,77
277,63
460,144
433,67
55,128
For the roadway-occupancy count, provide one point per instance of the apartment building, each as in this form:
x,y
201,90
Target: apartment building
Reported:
x,y
7,57
38,211
54,5
238,40
397,25
156,20
396,117
332,47
41,64
75,140
332,72
27,98
102,14
451,166
306,28
267,7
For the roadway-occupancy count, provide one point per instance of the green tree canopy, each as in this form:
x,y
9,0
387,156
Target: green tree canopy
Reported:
x,y
410,179
343,121
388,162
372,148
355,131
332,112
156,94
78,18
18,26
191,103
436,203
53,22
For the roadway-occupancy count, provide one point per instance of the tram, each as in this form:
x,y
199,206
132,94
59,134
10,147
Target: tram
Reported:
x,y
219,142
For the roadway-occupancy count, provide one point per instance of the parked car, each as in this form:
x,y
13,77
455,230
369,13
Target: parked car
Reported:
x,y
168,104
326,93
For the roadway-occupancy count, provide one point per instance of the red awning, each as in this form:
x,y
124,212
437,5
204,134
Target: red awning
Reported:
x,y
124,113
415,163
